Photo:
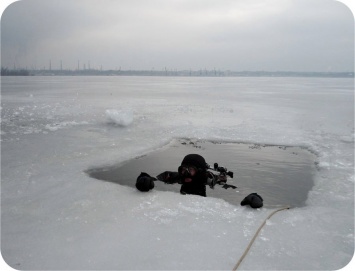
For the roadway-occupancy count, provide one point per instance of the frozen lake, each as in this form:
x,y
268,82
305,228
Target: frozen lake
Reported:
x,y
54,216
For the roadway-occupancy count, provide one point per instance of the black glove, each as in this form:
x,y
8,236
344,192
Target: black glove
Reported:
x,y
145,182
254,200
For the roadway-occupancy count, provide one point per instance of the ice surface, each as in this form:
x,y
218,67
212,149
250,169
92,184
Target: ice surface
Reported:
x,y
54,216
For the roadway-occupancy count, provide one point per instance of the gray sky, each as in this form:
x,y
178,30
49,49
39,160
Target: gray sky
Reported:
x,y
271,35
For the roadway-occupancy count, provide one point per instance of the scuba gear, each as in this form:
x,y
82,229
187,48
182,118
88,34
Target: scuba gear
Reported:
x,y
224,171
220,179
187,171
145,182
211,179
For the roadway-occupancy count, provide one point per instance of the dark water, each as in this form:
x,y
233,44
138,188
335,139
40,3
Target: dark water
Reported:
x,y
282,175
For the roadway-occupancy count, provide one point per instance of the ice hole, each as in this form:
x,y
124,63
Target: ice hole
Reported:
x,y
282,175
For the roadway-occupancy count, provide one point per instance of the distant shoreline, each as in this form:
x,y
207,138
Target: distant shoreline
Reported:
x,y
175,73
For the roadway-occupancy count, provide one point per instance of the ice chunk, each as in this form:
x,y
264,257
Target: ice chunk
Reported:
x,y
119,117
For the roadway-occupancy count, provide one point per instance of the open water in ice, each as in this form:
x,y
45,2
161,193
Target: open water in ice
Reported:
x,y
282,175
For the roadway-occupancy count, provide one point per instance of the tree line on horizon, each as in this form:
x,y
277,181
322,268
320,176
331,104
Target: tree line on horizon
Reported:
x,y
19,72
199,73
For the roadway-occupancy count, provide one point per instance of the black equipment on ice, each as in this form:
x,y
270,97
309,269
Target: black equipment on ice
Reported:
x,y
254,200
145,182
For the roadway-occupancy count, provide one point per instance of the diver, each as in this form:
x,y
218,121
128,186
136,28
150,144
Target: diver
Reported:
x,y
194,174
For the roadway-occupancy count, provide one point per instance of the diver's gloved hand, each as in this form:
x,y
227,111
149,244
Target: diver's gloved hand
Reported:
x,y
254,200
145,182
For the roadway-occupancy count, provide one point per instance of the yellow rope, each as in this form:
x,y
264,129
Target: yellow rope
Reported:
x,y
255,235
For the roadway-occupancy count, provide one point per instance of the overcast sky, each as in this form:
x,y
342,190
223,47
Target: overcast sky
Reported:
x,y
271,35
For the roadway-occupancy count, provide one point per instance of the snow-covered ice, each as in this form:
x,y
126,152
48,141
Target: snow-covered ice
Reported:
x,y
54,216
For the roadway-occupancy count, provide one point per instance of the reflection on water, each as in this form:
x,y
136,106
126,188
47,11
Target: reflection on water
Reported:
x,y
282,175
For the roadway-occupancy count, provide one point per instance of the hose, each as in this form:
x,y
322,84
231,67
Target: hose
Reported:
x,y
255,235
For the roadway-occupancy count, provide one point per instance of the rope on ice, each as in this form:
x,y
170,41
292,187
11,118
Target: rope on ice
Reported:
x,y
256,234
